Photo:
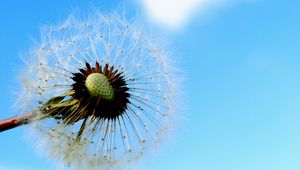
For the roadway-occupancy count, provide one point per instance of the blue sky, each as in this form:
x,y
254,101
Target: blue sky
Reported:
x,y
241,61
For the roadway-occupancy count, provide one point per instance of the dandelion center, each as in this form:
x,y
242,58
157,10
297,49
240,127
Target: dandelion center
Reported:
x,y
98,86
100,91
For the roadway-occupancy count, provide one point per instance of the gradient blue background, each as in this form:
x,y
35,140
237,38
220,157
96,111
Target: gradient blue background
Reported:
x,y
242,66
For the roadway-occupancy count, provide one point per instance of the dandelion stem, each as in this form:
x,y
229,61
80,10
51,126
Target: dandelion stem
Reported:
x,y
16,121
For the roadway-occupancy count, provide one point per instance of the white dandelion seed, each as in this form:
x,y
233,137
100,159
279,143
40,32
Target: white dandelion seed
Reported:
x,y
102,91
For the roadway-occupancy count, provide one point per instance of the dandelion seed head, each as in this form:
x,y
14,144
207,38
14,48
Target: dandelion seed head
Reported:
x,y
102,90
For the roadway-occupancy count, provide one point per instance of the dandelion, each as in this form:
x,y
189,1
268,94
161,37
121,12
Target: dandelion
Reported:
x,y
101,91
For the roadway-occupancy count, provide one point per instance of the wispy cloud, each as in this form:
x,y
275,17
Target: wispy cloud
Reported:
x,y
176,13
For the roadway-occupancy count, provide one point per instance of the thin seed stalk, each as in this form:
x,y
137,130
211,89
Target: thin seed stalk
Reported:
x,y
14,122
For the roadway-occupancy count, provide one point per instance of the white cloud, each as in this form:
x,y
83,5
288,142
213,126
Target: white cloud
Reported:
x,y
175,13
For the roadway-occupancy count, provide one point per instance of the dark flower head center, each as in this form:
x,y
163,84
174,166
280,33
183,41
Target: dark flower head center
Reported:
x,y
100,92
